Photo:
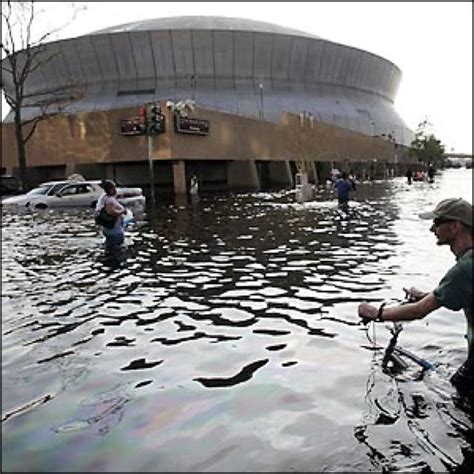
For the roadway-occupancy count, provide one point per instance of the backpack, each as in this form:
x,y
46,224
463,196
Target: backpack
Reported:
x,y
104,219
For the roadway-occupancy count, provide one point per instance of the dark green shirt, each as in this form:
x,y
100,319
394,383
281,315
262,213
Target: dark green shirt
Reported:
x,y
455,292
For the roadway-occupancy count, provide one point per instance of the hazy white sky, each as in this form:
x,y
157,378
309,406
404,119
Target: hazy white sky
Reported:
x,y
430,42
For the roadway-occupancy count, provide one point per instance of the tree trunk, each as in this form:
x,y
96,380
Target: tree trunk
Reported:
x,y
21,151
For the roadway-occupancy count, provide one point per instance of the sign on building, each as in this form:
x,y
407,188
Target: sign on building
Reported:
x,y
191,125
132,126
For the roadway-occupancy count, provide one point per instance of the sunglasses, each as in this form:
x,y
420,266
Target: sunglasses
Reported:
x,y
440,220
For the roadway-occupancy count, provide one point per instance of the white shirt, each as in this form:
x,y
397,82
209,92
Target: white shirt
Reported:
x,y
100,202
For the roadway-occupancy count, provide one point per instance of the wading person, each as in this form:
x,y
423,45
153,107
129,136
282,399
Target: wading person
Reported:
x,y
431,173
343,188
194,185
452,225
112,222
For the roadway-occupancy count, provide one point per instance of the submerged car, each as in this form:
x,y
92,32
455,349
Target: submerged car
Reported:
x,y
68,193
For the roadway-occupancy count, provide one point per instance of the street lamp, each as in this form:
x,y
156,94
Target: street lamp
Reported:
x,y
390,138
394,141
261,114
395,156
193,78
372,124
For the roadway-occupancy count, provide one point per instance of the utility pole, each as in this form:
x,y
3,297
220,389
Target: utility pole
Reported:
x,y
193,86
260,86
155,125
372,125
151,168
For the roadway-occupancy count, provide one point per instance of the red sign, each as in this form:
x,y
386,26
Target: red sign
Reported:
x,y
132,126
190,125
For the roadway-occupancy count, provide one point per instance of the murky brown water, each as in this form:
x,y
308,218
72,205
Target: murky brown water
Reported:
x,y
228,339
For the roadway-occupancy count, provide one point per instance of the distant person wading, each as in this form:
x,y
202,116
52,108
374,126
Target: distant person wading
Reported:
x,y
344,186
431,173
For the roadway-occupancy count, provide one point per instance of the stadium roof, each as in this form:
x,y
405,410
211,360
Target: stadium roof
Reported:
x,y
204,23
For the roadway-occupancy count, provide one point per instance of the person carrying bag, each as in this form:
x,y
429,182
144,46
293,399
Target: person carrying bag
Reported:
x,y
109,214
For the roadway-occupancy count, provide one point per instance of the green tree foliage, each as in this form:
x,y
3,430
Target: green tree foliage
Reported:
x,y
426,148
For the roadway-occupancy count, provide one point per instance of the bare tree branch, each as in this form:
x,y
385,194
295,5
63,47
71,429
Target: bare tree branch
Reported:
x,y
23,55
35,123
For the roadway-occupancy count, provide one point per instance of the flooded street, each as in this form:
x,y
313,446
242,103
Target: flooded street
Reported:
x,y
228,339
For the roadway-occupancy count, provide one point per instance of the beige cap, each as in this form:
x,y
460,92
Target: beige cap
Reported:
x,y
456,209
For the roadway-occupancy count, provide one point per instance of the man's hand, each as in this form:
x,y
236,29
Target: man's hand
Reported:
x,y
368,311
413,294
404,312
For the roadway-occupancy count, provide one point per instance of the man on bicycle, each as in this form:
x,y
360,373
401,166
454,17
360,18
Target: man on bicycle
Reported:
x,y
452,225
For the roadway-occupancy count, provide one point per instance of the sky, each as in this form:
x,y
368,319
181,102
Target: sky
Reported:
x,y
430,42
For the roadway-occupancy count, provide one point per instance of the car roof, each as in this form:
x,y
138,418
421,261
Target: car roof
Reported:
x,y
68,181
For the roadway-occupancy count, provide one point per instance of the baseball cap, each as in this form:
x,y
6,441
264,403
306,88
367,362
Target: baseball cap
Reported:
x,y
456,209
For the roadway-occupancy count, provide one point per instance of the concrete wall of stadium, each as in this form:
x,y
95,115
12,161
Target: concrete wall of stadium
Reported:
x,y
239,153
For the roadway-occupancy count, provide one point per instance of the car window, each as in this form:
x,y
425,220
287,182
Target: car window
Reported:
x,y
56,188
68,190
84,188
38,191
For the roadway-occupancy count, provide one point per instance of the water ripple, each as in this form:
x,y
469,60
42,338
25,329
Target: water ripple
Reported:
x,y
252,293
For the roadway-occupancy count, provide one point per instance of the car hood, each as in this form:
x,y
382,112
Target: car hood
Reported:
x,y
20,199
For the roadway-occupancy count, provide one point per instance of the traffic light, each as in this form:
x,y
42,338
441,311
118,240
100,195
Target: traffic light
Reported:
x,y
141,126
156,120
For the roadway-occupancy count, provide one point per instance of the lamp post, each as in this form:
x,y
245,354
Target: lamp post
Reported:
x,y
261,114
390,138
395,156
372,125
148,116
151,168
394,141
193,86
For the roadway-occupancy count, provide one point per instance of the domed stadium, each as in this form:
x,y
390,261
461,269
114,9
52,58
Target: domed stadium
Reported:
x,y
234,66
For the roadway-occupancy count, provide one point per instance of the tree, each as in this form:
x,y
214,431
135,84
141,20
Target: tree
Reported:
x,y
297,142
24,52
426,148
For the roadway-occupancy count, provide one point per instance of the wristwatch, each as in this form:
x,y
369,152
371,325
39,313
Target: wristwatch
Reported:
x,y
379,317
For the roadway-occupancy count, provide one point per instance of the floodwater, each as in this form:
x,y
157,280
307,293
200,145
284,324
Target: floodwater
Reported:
x,y
228,338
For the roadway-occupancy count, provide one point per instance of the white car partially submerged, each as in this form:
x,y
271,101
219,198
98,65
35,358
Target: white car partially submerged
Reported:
x,y
69,193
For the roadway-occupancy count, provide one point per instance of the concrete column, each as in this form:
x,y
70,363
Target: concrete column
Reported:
x,y
243,175
312,173
70,169
109,171
280,173
179,177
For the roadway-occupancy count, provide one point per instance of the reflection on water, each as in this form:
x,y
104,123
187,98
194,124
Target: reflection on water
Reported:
x,y
227,338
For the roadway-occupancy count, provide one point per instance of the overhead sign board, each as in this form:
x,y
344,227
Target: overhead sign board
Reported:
x,y
190,125
132,126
